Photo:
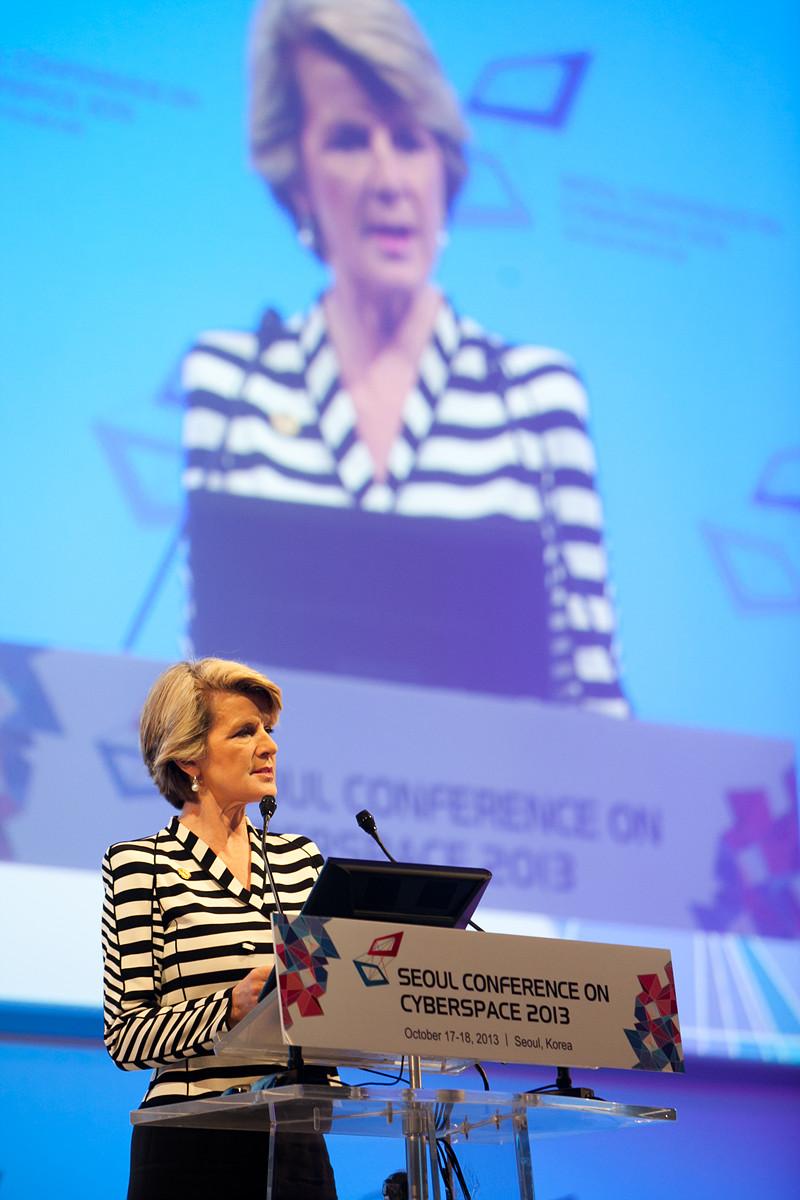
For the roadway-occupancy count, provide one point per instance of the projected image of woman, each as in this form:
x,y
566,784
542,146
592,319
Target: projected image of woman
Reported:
x,y
187,939
409,498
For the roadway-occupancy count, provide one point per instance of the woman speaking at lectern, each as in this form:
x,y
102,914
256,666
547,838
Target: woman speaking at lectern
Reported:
x,y
187,942
423,493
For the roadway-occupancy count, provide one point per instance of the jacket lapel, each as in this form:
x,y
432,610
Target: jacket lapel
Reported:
x,y
212,865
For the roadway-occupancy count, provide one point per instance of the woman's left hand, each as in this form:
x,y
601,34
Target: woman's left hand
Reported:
x,y
246,994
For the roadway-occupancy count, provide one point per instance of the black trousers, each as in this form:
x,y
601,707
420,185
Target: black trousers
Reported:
x,y
209,1164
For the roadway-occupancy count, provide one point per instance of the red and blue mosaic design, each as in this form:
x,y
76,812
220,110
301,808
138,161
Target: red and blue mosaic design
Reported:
x,y
304,951
656,1037
757,866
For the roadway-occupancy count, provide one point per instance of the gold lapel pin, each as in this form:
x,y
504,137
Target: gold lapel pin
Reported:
x,y
184,874
285,423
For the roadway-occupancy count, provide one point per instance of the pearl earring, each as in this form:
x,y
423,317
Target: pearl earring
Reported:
x,y
195,783
305,234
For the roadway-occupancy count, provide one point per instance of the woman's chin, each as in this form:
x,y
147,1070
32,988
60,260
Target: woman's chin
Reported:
x,y
263,787
391,279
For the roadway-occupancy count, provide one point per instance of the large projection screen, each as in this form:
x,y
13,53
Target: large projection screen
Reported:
x,y
620,283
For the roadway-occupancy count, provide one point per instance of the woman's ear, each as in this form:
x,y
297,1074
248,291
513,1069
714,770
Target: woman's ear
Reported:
x,y
193,771
306,227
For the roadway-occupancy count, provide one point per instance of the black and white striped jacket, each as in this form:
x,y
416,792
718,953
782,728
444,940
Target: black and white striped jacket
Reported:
x,y
489,430
179,932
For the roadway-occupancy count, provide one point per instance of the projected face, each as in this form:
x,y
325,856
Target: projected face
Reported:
x,y
373,181
238,766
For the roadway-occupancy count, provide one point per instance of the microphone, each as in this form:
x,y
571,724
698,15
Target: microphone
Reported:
x,y
368,823
266,807
297,1070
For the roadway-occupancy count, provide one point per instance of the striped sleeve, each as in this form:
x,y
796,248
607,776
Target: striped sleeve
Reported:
x,y
548,406
139,1031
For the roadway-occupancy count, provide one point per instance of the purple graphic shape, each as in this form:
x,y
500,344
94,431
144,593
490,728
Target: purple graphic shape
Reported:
x,y
128,773
171,393
757,867
571,69
24,712
743,562
779,485
121,447
510,211
154,585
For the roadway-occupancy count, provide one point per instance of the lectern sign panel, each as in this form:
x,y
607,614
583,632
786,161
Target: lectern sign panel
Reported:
x,y
373,987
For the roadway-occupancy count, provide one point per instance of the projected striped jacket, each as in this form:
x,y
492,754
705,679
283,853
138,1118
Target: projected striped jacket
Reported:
x,y
489,429
179,932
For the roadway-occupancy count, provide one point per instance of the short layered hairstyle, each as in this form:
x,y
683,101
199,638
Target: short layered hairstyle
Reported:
x,y
384,47
177,716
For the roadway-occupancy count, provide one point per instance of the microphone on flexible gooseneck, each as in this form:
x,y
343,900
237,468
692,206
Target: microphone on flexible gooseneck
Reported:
x,y
370,827
267,806
298,1072
368,823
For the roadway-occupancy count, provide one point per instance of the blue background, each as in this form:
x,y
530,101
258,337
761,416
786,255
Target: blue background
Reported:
x,y
125,239
652,234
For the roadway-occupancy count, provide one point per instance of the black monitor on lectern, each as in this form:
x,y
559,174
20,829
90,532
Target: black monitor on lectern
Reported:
x,y
407,893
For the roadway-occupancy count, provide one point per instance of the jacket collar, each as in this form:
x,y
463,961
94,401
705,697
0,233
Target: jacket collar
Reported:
x,y
336,414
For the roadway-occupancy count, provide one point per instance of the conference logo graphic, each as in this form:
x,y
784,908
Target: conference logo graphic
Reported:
x,y
372,965
306,949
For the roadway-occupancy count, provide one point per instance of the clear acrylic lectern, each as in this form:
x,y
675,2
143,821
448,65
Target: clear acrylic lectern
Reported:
x,y
420,1117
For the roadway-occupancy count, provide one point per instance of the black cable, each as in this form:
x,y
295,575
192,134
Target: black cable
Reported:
x,y
447,1160
563,1087
479,1068
393,1079
444,1171
367,822
448,1163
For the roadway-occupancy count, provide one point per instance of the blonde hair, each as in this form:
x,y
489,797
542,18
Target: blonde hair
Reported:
x,y
382,44
177,715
